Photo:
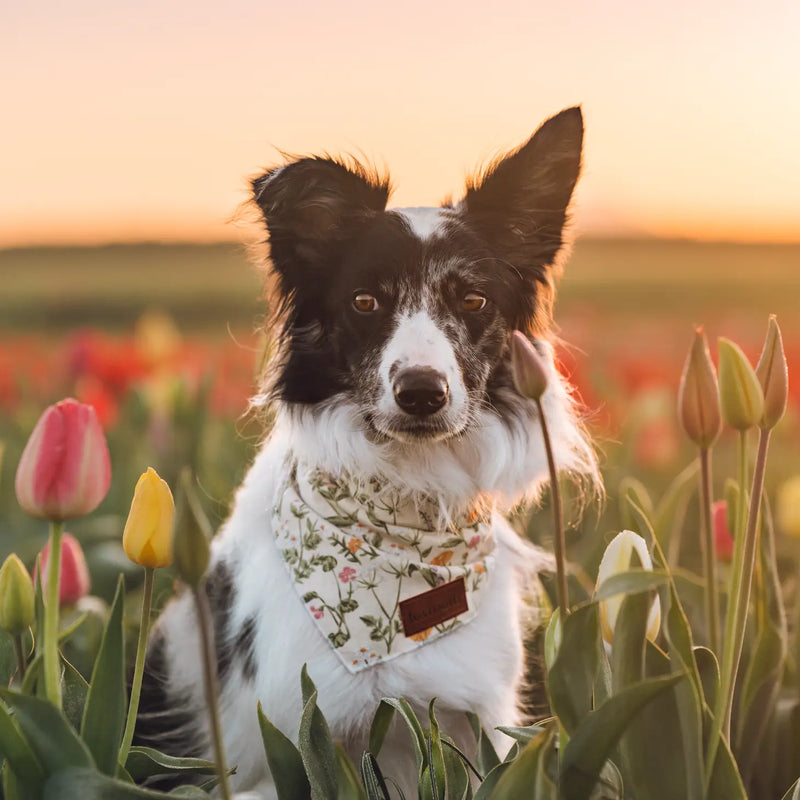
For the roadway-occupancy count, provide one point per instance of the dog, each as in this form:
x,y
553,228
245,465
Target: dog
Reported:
x,y
368,540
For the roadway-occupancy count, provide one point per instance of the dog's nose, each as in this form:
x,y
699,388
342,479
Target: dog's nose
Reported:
x,y
420,390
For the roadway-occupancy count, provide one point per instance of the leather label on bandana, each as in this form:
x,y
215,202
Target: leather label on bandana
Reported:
x,y
431,608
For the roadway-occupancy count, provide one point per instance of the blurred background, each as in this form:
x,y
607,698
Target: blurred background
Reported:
x,y
130,132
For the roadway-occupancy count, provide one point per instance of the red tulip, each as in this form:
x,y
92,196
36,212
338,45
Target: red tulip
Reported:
x,y
723,540
65,469
75,582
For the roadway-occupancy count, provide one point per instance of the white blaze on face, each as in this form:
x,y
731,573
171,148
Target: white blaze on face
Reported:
x,y
419,342
425,222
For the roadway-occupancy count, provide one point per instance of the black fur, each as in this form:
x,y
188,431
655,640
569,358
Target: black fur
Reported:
x,y
164,722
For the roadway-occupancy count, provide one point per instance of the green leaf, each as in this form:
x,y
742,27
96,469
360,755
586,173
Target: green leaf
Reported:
x,y
75,690
671,509
106,707
527,776
708,667
401,706
55,744
636,490
144,762
317,750
381,722
285,762
598,734
437,773
627,651
306,684
521,735
794,791
725,779
633,581
88,784
486,757
570,684
18,754
350,787
762,683
455,765
372,778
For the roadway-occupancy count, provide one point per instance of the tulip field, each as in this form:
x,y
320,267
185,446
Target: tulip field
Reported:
x,y
674,671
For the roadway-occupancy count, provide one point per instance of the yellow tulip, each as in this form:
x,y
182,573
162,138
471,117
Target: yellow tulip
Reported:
x,y
618,558
148,534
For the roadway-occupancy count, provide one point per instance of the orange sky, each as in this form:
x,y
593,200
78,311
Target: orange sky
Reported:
x,y
140,120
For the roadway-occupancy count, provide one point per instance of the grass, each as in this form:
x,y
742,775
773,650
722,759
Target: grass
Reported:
x,y
612,283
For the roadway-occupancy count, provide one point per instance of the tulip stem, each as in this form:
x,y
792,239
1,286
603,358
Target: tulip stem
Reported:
x,y
559,544
138,670
20,651
52,672
211,685
739,601
709,555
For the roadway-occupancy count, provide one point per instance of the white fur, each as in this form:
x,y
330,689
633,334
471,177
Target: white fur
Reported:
x,y
478,666
425,222
418,341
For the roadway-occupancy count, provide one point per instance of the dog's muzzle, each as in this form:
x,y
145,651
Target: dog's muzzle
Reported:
x,y
420,391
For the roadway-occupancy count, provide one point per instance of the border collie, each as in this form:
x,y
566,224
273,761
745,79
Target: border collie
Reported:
x,y
367,539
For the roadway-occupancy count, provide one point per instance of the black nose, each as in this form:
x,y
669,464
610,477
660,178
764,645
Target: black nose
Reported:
x,y
420,391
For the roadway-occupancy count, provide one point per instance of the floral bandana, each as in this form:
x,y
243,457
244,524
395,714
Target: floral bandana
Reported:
x,y
362,559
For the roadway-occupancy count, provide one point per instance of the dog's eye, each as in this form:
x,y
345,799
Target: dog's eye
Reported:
x,y
365,303
473,301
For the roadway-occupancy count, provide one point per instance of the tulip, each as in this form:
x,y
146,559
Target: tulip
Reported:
x,y
74,582
17,605
773,375
147,538
723,538
787,507
64,471
618,558
527,367
17,597
698,395
741,397
147,541
191,549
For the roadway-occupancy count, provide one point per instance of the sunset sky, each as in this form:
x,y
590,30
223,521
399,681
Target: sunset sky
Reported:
x,y
128,121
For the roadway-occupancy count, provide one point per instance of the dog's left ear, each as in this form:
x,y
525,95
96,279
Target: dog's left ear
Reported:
x,y
520,203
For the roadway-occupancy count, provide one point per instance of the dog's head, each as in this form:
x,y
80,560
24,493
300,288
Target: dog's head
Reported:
x,y
406,312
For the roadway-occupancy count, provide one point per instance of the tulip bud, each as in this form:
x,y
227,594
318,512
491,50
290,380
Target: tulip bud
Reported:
x,y
75,582
147,538
191,549
64,470
17,598
773,375
741,398
527,367
723,539
787,507
619,557
698,395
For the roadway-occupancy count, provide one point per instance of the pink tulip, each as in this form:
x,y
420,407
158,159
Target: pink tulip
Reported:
x,y
723,540
75,582
65,469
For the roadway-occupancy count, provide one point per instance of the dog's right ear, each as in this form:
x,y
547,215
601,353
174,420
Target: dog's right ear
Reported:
x,y
312,207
